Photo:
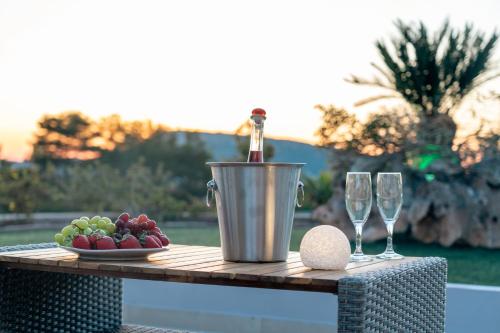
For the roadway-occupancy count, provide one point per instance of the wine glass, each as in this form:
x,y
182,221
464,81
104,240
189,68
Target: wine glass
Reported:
x,y
358,201
389,202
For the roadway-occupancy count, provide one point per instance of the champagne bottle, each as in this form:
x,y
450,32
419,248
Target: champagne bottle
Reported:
x,y
256,151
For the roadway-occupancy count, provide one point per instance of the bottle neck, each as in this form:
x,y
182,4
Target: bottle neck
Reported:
x,y
257,139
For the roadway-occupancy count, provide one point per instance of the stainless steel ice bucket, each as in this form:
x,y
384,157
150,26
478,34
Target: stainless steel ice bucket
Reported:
x,y
255,206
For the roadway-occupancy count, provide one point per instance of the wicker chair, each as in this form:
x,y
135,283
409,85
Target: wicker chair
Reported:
x,y
48,302
408,298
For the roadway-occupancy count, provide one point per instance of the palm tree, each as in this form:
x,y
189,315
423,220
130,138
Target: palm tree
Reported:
x,y
433,73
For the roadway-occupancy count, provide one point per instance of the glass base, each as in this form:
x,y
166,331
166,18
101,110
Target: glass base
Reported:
x,y
390,255
360,257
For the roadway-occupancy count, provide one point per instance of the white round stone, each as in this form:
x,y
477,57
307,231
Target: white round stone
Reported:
x,y
325,247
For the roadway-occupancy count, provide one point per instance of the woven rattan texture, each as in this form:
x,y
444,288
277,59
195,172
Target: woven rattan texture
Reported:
x,y
43,302
408,298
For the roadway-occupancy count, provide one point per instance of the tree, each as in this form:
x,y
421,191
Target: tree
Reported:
x,y
183,155
318,189
21,190
65,136
434,74
384,132
74,136
152,191
451,183
114,131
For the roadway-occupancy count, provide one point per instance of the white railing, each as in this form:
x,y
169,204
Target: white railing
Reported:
x,y
470,308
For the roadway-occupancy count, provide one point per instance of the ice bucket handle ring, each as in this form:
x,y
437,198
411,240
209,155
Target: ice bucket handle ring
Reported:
x,y
300,190
211,188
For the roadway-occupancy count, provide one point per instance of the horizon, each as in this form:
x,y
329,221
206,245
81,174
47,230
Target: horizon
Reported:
x,y
191,66
199,131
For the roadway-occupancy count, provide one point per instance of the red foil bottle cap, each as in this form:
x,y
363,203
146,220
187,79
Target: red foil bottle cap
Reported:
x,y
258,112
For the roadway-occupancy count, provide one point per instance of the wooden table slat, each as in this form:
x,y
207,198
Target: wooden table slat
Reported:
x,y
56,256
213,265
350,266
170,264
172,254
196,264
255,267
28,252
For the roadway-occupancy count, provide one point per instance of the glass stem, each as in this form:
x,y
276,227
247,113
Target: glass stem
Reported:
x,y
390,230
359,231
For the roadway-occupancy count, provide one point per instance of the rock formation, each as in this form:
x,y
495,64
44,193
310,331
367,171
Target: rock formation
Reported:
x,y
445,208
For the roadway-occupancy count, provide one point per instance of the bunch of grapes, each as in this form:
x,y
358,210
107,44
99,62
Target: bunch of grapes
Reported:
x,y
85,226
101,233
140,227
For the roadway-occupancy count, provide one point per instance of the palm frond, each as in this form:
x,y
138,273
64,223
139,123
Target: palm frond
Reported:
x,y
376,82
482,80
441,33
433,72
477,65
375,98
384,73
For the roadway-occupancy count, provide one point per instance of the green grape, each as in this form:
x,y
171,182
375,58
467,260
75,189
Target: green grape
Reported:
x,y
82,224
68,241
59,238
85,218
93,226
107,219
95,219
75,221
102,224
101,232
69,230
110,228
87,231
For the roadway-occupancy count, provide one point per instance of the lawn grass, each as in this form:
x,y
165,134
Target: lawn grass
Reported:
x,y
465,264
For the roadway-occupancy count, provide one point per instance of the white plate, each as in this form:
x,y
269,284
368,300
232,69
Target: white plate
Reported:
x,y
118,254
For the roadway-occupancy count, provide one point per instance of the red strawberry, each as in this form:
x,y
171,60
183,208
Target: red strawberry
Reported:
x,y
157,240
164,240
93,239
151,224
129,242
81,242
151,241
124,217
105,243
155,233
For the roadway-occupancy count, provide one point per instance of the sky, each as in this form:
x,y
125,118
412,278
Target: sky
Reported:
x,y
197,64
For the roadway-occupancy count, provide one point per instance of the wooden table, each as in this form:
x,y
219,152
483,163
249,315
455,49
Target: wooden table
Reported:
x,y
196,264
387,296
